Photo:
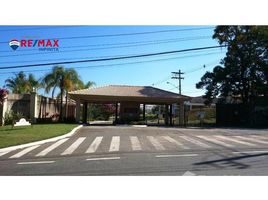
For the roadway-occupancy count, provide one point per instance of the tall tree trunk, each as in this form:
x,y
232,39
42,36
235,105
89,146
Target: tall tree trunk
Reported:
x,y
61,105
66,105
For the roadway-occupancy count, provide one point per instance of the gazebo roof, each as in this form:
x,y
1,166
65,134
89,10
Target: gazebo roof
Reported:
x,y
146,94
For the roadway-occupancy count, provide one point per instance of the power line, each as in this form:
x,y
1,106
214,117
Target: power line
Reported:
x,y
116,64
161,81
127,34
69,59
63,58
39,28
112,58
187,72
68,51
193,54
125,44
200,68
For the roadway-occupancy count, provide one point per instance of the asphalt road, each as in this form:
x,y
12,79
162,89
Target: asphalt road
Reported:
x,y
110,150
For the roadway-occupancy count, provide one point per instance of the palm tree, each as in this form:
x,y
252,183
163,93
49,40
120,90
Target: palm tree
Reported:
x,y
71,82
21,83
89,84
64,79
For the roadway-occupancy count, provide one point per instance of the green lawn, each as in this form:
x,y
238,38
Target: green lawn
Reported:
x,y
20,135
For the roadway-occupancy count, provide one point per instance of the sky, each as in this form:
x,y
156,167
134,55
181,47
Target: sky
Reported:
x,y
89,42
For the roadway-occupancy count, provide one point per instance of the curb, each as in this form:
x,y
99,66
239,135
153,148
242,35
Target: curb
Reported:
x,y
136,126
12,148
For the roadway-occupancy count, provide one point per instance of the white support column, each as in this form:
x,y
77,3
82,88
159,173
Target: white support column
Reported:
x,y
3,110
77,111
33,107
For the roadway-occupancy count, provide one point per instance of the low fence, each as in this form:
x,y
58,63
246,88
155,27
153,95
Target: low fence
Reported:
x,y
36,108
203,116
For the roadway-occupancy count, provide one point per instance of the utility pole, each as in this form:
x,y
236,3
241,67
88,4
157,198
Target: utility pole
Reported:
x,y
177,75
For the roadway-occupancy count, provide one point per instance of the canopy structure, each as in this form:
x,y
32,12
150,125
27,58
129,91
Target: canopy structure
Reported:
x,y
130,98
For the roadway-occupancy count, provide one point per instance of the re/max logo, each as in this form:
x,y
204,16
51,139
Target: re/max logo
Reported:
x,y
39,43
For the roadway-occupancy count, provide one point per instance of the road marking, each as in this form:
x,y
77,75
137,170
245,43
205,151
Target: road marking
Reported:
x,y
259,137
94,145
176,155
172,140
252,139
74,146
215,141
107,158
3,153
196,142
155,143
115,143
188,173
135,143
237,152
23,152
234,140
51,147
37,162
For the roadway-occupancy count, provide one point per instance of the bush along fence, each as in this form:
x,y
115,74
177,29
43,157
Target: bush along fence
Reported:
x,y
242,115
33,107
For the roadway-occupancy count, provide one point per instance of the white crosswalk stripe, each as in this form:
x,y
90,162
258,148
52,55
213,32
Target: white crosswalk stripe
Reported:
x,y
172,140
157,145
24,151
135,143
228,138
94,145
251,139
259,137
74,146
115,143
213,140
51,147
196,142
4,153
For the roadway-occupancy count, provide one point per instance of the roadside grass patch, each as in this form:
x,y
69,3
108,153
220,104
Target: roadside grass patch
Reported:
x,y
24,134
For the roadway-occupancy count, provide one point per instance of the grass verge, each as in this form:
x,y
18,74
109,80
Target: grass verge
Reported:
x,y
21,135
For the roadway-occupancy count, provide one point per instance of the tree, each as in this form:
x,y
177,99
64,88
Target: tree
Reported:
x,y
243,72
64,79
89,84
21,83
3,95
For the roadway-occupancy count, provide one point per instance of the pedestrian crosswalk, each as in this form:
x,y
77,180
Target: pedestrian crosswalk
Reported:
x,y
74,146
196,142
24,151
3,153
252,139
52,147
155,143
94,145
228,138
172,140
213,140
115,143
136,143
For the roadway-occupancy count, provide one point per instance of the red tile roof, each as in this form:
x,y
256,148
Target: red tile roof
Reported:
x,y
128,91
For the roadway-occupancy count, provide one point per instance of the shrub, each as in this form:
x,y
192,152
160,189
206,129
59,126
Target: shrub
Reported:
x,y
101,111
11,117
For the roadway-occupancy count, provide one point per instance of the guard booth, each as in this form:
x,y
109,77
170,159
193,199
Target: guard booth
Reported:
x,y
128,100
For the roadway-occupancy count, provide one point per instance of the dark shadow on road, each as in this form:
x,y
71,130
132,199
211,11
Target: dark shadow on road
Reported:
x,y
230,161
